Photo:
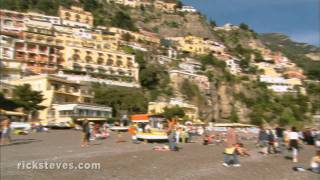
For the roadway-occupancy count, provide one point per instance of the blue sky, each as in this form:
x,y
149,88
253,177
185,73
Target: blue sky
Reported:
x,y
300,19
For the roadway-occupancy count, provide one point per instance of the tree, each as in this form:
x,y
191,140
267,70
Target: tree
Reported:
x,y
189,89
120,99
7,104
213,23
286,117
234,116
258,57
179,5
173,112
127,37
244,26
123,20
28,99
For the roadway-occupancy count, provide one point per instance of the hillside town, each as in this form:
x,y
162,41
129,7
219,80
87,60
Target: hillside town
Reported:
x,y
118,93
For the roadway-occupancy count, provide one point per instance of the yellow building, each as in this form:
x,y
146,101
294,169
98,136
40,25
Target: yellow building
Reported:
x,y
64,99
107,65
190,110
198,45
76,16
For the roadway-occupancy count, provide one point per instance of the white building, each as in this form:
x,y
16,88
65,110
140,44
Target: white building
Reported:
x,y
41,17
81,78
190,9
280,84
227,27
233,66
75,24
190,65
82,33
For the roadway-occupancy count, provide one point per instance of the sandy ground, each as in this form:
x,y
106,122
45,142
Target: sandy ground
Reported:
x,y
126,161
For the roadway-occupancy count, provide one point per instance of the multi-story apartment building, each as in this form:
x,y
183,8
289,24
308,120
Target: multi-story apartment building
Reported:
x,y
65,100
105,65
198,45
39,49
10,68
33,16
76,17
11,22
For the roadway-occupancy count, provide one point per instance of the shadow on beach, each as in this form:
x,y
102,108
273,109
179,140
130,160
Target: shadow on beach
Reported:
x,y
21,141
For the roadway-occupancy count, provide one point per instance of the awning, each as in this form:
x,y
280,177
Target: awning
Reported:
x,y
11,113
232,125
140,118
93,119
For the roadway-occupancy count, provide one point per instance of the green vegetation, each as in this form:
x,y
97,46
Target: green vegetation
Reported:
x,y
28,99
172,24
173,112
45,6
234,116
267,107
189,89
7,104
121,99
123,20
211,60
244,26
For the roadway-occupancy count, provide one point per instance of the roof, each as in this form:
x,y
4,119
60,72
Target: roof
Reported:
x,y
140,118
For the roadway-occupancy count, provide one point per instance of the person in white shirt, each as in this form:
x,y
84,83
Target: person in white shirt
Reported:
x,y
294,143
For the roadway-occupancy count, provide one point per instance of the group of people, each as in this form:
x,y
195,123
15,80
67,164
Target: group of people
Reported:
x,y
279,140
92,132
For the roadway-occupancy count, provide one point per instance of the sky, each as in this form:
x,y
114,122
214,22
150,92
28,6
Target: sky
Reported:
x,y
299,19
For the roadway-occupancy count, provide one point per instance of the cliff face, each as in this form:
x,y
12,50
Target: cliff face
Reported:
x,y
173,25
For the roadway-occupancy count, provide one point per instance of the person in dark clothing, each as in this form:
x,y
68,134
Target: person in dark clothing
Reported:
x,y
263,141
86,133
280,139
271,142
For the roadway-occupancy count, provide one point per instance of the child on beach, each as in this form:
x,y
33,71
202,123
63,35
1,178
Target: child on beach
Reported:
x,y
241,150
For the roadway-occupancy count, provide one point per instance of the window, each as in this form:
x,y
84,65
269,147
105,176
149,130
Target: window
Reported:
x,y
119,63
110,62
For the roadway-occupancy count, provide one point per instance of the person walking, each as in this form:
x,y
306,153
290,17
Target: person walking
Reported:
x,y
230,156
280,139
133,132
6,131
263,141
294,143
271,142
86,133
171,132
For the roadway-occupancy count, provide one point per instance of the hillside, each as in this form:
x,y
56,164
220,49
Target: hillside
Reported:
x,y
304,55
